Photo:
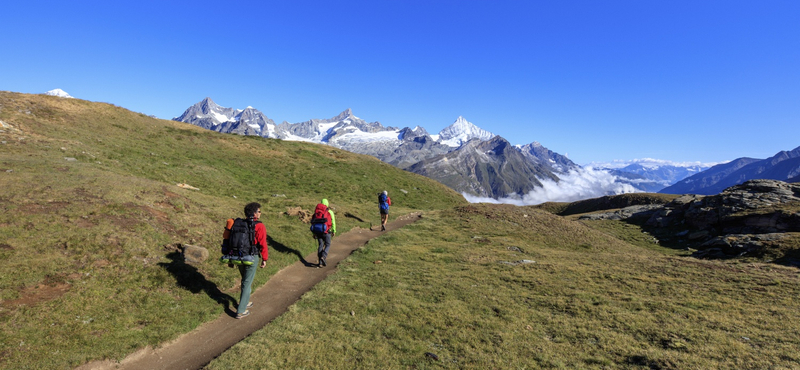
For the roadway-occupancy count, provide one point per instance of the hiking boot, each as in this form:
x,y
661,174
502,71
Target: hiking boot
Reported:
x,y
243,314
249,304
383,228
322,261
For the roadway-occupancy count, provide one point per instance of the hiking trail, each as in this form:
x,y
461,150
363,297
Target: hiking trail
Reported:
x,y
197,348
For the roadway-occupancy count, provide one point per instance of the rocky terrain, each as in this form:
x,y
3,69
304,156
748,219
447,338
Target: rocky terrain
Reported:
x,y
759,218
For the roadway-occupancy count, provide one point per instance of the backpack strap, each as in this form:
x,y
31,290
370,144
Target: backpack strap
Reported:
x,y
251,236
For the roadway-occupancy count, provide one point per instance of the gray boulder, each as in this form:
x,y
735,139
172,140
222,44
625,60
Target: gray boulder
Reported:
x,y
194,254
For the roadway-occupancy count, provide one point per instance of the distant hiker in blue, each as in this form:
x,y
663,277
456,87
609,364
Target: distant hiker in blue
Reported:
x,y
383,204
323,225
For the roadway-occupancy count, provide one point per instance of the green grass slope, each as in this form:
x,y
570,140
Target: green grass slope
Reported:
x,y
89,270
503,287
90,214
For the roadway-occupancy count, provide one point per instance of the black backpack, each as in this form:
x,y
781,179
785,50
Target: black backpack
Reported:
x,y
240,246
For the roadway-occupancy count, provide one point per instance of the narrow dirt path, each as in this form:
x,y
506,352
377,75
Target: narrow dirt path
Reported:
x,y
197,348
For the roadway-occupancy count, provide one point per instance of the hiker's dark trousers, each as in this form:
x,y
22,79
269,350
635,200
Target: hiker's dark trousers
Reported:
x,y
324,245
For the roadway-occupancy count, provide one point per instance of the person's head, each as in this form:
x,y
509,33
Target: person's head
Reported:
x,y
385,193
252,210
325,202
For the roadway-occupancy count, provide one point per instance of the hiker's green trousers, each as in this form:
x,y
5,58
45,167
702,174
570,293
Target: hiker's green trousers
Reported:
x,y
248,274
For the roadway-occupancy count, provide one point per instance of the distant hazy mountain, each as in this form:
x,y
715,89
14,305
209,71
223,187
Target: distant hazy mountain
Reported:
x,y
651,175
784,166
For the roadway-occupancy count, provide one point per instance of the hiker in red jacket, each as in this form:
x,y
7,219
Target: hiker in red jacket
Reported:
x,y
252,213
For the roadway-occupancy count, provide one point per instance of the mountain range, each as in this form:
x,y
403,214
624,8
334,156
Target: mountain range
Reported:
x,y
481,164
784,166
463,156
478,163
651,175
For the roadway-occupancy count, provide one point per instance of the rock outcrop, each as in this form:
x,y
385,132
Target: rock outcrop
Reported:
x,y
739,221
749,208
743,220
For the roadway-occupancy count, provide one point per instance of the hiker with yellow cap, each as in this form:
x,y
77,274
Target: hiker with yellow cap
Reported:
x,y
323,225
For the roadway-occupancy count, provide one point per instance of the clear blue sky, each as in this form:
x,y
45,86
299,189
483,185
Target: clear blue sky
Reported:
x,y
595,80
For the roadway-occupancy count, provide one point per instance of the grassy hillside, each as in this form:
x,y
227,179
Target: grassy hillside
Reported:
x,y
91,215
503,287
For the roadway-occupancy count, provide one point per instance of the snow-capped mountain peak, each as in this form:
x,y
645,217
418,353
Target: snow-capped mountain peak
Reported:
x,y
347,114
58,92
207,114
462,131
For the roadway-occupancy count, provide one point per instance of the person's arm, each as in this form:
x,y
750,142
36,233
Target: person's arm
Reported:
x,y
228,225
333,221
261,241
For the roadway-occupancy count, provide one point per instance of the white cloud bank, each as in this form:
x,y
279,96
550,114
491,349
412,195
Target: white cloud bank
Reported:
x,y
577,185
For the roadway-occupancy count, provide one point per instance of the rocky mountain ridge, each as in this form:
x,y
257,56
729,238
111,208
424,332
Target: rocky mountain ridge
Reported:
x,y
450,158
487,166
487,169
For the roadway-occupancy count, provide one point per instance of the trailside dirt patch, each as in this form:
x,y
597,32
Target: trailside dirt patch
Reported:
x,y
197,348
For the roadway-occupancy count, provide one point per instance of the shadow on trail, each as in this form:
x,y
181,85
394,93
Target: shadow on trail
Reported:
x,y
282,248
192,280
350,215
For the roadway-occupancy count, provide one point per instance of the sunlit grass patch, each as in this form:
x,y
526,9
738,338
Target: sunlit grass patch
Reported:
x,y
443,296
91,221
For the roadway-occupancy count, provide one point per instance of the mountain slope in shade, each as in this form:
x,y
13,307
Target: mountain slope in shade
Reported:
x,y
697,183
492,168
784,166
537,153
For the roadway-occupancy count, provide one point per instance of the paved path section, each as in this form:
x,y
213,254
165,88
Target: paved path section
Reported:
x,y
197,348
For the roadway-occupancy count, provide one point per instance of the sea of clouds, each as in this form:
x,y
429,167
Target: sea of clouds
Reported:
x,y
584,183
